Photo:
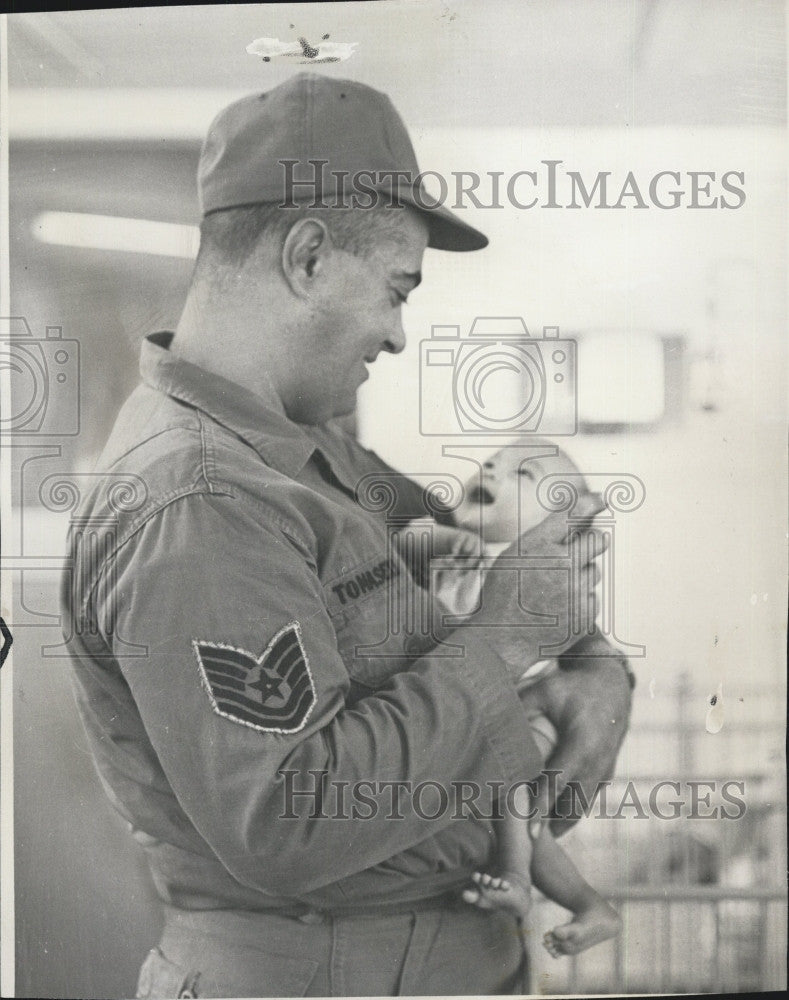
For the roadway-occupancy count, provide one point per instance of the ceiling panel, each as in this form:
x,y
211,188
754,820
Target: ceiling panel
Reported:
x,y
551,62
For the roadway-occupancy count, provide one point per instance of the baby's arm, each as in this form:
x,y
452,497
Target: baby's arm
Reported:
x,y
447,540
456,584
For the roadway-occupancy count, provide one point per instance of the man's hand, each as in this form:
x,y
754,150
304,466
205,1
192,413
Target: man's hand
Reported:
x,y
544,588
588,701
446,540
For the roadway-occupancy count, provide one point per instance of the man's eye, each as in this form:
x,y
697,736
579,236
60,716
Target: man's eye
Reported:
x,y
526,472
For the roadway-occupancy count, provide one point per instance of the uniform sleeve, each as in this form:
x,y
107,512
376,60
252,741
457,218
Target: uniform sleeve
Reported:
x,y
243,697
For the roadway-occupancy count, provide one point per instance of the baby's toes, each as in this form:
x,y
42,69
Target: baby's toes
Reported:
x,y
496,892
564,933
549,942
567,939
476,898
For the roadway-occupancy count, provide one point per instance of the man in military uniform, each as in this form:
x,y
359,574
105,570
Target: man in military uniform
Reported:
x,y
259,585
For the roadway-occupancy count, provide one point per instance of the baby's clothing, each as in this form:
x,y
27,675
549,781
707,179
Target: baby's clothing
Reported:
x,y
458,589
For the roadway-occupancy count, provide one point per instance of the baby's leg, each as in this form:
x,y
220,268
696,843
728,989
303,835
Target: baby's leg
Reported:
x,y
511,889
551,869
556,877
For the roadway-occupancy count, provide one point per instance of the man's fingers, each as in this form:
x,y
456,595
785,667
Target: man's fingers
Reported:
x,y
558,529
588,506
541,806
561,768
586,546
567,806
560,539
548,788
584,510
466,544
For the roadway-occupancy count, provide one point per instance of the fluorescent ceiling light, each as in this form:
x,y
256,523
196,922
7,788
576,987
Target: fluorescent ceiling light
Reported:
x,y
110,232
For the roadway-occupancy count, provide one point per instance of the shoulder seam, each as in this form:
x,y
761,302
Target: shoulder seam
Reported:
x,y
144,441
138,526
204,452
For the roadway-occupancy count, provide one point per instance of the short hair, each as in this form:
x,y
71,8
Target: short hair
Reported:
x,y
229,237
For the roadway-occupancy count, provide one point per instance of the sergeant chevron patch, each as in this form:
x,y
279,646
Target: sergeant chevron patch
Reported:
x,y
273,692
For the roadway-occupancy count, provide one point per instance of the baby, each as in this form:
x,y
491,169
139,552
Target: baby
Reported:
x,y
494,512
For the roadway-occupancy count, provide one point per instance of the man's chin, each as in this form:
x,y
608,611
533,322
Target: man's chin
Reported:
x,y
342,408
316,417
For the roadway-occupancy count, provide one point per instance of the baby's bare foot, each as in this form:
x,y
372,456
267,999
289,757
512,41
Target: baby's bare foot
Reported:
x,y
508,892
595,924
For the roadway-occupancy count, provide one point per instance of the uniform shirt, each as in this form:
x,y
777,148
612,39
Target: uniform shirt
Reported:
x,y
242,625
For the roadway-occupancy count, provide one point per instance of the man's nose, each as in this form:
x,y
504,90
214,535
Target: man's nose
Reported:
x,y
395,341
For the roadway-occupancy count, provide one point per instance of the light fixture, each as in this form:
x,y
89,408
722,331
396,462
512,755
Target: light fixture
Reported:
x,y
110,232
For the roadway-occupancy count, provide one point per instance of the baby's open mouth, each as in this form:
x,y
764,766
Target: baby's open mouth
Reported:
x,y
480,494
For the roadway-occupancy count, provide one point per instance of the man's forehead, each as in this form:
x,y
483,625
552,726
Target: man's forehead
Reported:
x,y
402,259
413,228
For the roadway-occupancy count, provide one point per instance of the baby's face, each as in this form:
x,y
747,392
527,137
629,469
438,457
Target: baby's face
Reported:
x,y
504,504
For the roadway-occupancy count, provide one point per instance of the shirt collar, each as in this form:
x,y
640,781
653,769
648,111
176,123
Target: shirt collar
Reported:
x,y
258,419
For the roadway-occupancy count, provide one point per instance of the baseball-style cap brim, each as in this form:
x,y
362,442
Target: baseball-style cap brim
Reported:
x,y
446,231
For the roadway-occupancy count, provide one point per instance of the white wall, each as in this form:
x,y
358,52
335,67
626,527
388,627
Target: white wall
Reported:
x,y
701,567
587,268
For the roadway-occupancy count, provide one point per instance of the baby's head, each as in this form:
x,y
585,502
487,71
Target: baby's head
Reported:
x,y
503,503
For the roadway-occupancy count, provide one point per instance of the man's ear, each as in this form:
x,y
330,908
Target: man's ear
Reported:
x,y
304,254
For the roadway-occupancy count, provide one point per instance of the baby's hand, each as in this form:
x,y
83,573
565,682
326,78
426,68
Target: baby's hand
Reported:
x,y
449,541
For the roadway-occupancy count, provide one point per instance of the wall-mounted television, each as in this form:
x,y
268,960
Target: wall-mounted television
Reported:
x,y
629,379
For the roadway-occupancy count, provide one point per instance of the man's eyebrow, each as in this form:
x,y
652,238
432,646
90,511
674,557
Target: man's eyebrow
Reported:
x,y
415,277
